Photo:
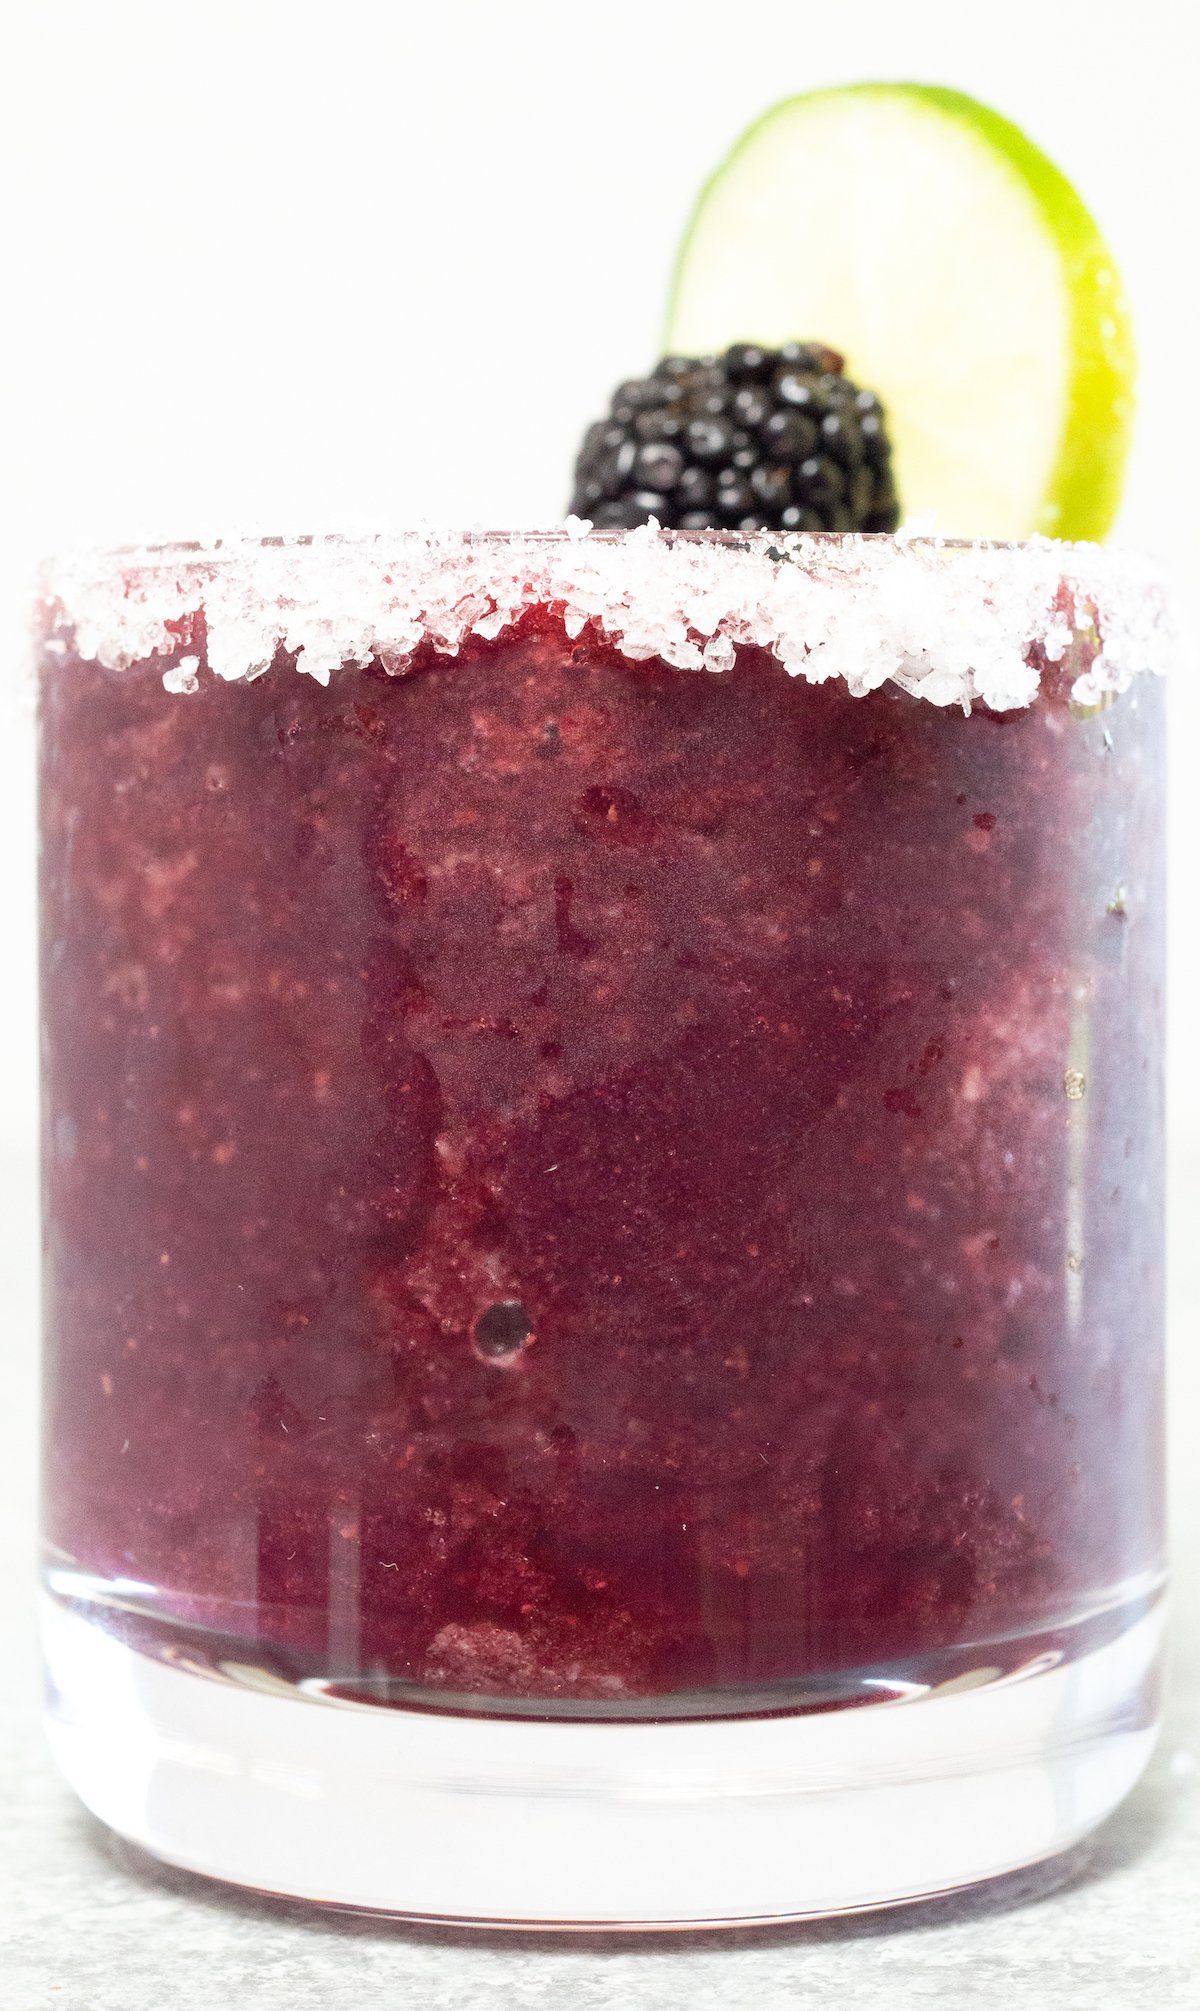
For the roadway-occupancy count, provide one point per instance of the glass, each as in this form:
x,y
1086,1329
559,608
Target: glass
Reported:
x,y
603,1214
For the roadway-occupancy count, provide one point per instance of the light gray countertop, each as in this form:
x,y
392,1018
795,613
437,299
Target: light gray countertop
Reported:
x,y
88,1925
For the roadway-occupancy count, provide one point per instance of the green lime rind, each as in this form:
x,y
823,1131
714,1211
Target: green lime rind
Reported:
x,y
1085,488
1083,494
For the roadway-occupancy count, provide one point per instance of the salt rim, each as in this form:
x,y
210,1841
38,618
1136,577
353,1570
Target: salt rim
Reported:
x,y
953,622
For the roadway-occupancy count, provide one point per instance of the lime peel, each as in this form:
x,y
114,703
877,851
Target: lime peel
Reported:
x,y
926,237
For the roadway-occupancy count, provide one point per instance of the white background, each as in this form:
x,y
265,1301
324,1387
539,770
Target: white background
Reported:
x,y
308,265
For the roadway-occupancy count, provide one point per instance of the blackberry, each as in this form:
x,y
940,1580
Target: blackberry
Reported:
x,y
756,439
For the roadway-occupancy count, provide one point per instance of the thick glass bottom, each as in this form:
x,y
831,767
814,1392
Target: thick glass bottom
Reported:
x,y
492,1822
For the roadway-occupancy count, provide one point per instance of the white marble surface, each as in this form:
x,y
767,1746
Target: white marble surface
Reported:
x,y
85,1925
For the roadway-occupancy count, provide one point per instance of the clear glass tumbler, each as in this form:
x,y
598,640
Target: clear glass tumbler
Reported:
x,y
603,1213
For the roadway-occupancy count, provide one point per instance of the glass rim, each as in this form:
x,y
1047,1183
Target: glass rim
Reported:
x,y
231,544
955,619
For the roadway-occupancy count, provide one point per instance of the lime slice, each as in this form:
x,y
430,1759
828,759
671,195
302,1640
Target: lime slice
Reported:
x,y
957,270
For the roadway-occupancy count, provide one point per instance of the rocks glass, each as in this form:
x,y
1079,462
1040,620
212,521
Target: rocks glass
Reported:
x,y
603,1213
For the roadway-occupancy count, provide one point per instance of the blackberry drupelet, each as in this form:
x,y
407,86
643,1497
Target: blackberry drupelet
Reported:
x,y
754,440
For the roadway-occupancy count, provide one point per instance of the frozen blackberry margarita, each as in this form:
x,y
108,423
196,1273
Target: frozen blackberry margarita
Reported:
x,y
603,1187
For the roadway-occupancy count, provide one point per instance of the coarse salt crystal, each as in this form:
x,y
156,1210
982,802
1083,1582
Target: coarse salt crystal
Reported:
x,y
955,623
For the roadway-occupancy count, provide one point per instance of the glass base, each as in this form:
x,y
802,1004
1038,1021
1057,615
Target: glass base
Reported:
x,y
520,1822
